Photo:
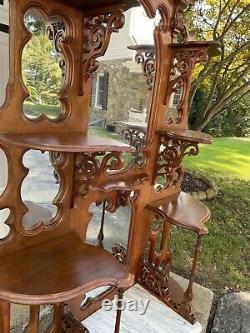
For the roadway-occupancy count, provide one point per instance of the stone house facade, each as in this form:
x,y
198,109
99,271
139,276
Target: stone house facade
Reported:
x,y
121,90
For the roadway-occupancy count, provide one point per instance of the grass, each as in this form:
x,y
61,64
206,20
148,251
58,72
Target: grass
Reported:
x,y
225,253
226,156
35,110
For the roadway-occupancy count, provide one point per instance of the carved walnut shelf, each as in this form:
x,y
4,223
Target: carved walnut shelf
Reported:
x,y
186,134
184,211
72,142
130,183
71,267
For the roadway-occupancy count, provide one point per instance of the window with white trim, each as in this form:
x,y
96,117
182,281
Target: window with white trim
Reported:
x,y
99,96
177,96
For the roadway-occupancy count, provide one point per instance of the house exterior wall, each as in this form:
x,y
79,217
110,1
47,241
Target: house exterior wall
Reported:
x,y
125,90
131,33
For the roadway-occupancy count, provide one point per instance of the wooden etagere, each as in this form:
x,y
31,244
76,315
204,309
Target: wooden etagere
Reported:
x,y
51,263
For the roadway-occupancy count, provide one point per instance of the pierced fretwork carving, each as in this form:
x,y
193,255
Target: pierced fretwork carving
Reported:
x,y
180,78
178,24
97,31
147,59
70,323
169,171
120,253
156,266
56,33
136,137
89,167
157,280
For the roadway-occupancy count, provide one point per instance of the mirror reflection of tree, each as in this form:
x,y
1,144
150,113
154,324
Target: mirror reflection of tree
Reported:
x,y
41,71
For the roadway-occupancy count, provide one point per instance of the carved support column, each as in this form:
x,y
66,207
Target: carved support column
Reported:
x,y
4,317
34,320
189,291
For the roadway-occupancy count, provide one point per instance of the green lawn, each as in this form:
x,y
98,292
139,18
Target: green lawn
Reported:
x,y
226,156
224,262
35,110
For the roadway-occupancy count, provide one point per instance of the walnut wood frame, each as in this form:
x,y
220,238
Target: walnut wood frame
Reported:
x,y
90,171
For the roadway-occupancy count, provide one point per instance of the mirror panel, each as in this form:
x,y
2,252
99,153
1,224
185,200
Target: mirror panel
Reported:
x,y
115,226
39,189
121,95
43,67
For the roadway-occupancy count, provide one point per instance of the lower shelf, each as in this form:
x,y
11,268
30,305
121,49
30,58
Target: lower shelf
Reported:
x,y
57,271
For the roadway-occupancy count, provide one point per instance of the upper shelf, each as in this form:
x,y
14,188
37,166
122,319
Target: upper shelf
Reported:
x,y
186,134
86,5
212,46
66,142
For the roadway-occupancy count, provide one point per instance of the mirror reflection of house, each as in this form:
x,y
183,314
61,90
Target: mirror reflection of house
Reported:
x,y
119,87
120,92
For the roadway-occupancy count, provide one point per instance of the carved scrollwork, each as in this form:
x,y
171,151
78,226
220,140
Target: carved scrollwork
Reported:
x,y
136,137
98,30
180,78
147,59
120,253
56,33
91,166
178,24
70,323
155,280
171,152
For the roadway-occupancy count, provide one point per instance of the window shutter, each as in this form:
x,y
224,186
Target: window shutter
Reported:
x,y
93,92
106,91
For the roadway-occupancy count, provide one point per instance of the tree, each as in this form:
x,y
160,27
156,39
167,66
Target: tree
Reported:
x,y
224,79
42,74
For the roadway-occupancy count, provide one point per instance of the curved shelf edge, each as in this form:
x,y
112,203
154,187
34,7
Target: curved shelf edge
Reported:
x,y
72,267
184,211
70,142
130,183
186,134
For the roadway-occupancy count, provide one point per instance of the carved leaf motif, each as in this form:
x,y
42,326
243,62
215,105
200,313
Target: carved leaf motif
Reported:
x,y
98,30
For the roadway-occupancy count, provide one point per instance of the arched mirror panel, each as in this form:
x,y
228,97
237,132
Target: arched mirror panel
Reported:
x,y
122,86
43,66
39,189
